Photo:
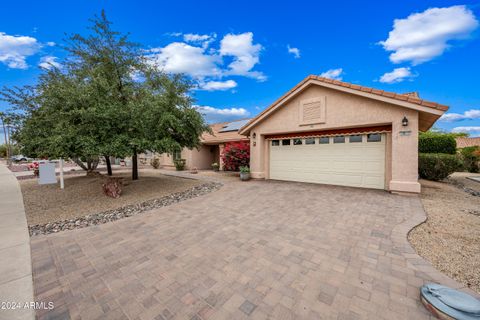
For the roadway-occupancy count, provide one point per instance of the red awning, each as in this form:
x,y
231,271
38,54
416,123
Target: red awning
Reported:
x,y
333,132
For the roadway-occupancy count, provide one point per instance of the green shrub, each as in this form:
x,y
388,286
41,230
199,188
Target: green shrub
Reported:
x,y
244,169
13,148
3,151
433,142
437,166
471,159
179,164
155,163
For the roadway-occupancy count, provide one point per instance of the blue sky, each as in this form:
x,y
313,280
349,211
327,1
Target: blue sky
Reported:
x,y
244,57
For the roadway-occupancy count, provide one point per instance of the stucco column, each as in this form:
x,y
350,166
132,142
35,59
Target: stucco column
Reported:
x,y
221,147
405,155
257,155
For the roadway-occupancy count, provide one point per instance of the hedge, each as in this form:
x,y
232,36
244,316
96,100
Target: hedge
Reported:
x,y
437,166
437,143
471,158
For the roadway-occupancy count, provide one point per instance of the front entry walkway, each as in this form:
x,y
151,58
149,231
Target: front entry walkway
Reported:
x,y
254,250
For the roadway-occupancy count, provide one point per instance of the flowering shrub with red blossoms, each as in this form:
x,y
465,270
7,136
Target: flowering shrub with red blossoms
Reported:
x,y
34,166
236,155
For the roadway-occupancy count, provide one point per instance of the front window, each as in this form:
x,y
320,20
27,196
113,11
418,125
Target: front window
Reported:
x,y
324,140
356,138
374,137
177,155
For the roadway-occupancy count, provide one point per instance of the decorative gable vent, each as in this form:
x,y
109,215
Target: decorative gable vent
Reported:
x,y
312,111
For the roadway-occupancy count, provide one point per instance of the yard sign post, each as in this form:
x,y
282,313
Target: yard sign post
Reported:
x,y
62,185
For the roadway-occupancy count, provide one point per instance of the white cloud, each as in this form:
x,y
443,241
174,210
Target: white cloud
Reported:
x,y
212,114
294,51
245,55
335,74
423,36
467,115
179,57
203,39
238,112
192,37
397,75
49,62
472,130
14,50
218,85
196,58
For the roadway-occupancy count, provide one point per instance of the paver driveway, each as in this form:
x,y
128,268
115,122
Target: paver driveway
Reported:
x,y
255,250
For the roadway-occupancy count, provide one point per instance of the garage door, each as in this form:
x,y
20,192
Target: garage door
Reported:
x,y
355,160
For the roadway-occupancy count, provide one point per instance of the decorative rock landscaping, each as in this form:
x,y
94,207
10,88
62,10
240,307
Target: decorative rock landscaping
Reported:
x,y
123,212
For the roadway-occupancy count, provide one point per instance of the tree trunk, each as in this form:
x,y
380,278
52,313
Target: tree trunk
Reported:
x,y
7,142
134,165
90,167
80,163
109,165
95,162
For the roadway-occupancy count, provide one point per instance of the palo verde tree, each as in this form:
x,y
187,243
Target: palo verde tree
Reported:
x,y
108,99
56,118
140,107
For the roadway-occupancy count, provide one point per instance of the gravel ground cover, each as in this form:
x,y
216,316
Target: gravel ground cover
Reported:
x,y
83,195
450,238
460,180
123,212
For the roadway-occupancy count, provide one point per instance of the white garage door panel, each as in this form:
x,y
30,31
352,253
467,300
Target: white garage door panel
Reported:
x,y
360,164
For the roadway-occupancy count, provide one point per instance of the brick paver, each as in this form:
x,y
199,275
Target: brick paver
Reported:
x,y
255,250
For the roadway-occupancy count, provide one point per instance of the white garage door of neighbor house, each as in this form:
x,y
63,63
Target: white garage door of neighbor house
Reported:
x,y
356,160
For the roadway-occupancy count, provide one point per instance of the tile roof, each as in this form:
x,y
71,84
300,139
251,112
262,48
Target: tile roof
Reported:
x,y
411,97
463,142
219,137
332,132
412,94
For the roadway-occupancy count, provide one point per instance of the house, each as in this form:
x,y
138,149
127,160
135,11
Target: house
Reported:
x,y
463,142
211,148
333,132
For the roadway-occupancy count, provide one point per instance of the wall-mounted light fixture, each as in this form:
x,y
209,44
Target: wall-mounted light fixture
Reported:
x,y
254,136
404,121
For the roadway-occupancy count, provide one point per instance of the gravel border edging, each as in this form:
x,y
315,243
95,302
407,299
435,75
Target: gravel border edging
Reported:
x,y
122,212
461,186
423,268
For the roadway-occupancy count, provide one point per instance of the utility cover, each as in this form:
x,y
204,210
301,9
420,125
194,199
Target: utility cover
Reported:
x,y
451,302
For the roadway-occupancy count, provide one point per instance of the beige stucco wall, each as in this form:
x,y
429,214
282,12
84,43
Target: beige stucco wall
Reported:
x,y
166,160
345,110
201,158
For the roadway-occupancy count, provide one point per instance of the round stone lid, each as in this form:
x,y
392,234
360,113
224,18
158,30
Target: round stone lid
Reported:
x,y
451,302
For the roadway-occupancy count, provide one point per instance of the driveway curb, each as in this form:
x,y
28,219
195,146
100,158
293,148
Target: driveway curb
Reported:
x,y
422,267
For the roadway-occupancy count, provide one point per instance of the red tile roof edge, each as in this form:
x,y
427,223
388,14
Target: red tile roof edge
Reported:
x,y
388,94
463,142
332,132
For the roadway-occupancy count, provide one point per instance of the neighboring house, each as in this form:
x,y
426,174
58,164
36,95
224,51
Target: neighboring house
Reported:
x,y
332,132
211,146
463,142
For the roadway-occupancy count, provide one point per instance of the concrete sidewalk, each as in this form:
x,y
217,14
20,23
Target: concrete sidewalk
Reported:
x,y
15,262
